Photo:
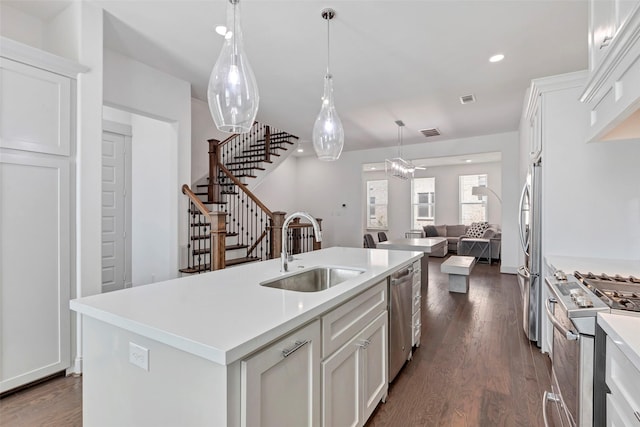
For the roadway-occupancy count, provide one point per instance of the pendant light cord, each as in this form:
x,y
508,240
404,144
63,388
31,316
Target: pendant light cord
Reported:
x,y
328,44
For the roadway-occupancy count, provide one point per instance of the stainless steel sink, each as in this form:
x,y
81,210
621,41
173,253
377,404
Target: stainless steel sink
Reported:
x,y
313,280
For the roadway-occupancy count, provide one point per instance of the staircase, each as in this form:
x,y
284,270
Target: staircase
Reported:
x,y
226,216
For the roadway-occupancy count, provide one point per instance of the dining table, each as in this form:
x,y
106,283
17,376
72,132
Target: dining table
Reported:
x,y
427,245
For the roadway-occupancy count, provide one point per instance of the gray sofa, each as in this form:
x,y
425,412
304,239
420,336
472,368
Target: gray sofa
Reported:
x,y
453,234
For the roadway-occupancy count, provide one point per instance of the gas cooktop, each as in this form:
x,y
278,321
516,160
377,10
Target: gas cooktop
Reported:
x,y
618,292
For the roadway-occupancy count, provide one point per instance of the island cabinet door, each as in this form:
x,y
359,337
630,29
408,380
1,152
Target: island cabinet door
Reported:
x,y
281,383
355,378
374,365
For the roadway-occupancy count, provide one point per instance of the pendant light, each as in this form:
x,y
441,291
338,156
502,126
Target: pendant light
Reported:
x,y
399,167
328,135
233,91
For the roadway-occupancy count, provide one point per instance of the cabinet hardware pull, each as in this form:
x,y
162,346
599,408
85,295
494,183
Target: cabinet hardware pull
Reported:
x,y
606,41
637,414
364,343
296,346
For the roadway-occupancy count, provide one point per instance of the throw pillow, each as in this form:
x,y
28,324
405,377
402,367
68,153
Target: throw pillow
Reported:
x,y
430,231
477,229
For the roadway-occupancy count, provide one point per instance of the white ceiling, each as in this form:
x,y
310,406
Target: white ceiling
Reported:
x,y
391,60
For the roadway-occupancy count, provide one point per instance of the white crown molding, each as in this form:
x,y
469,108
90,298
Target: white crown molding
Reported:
x,y
35,57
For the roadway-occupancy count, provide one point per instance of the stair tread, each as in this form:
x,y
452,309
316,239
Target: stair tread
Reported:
x,y
238,246
248,156
193,270
262,150
236,261
246,162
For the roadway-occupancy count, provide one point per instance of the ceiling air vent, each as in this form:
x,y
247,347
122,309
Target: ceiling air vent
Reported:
x,y
467,99
430,132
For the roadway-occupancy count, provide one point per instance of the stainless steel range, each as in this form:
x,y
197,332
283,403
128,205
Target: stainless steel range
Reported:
x,y
572,309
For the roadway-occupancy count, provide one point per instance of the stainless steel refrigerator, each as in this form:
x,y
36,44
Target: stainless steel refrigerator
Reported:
x,y
529,274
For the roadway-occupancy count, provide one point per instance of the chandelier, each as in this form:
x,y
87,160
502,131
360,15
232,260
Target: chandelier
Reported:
x,y
397,166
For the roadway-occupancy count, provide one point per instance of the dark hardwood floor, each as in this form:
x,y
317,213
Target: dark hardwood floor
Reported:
x,y
474,367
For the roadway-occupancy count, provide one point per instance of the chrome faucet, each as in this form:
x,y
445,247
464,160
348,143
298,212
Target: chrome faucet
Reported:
x,y
284,258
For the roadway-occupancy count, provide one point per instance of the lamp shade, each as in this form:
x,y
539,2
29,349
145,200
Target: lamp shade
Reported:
x,y
233,92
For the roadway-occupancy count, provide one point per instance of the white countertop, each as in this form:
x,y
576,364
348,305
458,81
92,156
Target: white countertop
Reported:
x,y
424,244
224,315
623,330
594,265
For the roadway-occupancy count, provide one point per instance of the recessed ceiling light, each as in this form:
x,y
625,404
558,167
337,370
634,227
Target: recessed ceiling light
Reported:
x,y
300,150
496,58
467,160
221,29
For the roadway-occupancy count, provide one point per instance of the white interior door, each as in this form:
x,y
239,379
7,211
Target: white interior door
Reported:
x,y
116,253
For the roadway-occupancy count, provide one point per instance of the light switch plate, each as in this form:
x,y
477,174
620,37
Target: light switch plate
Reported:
x,y
139,356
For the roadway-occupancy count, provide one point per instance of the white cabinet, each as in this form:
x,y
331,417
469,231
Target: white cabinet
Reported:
x,y
355,377
281,384
36,136
623,379
416,312
612,91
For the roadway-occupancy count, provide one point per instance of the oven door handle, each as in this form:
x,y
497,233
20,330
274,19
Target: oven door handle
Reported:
x,y
569,335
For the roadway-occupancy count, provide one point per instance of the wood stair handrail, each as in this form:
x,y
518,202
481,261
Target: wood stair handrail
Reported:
x,y
240,185
196,201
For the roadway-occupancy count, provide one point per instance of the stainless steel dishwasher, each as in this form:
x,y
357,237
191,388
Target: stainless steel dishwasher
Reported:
x,y
400,287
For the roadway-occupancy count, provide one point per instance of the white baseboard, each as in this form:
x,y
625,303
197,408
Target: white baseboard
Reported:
x,y
76,369
508,270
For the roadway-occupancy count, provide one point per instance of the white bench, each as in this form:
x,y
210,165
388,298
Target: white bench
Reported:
x,y
459,268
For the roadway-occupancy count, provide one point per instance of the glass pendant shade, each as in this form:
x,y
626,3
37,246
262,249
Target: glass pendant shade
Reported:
x,y
328,135
233,91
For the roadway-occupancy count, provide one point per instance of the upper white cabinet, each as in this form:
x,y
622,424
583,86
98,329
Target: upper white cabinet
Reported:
x,y
35,109
612,91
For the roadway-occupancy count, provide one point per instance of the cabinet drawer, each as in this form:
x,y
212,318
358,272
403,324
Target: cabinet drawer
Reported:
x,y
341,324
416,299
417,273
624,381
417,328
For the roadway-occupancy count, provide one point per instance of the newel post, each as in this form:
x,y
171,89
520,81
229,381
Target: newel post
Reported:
x,y
218,237
317,245
213,188
296,237
277,221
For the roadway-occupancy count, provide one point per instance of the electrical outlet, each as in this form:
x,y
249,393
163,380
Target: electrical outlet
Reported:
x,y
139,356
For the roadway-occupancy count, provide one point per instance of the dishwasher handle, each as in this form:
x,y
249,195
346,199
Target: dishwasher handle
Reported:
x,y
402,275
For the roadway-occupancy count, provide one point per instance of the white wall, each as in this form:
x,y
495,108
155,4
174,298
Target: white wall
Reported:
x,y
21,27
323,187
202,129
447,201
591,192
153,199
279,189
133,86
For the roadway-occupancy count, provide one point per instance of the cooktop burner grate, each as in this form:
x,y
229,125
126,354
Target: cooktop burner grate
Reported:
x,y
618,292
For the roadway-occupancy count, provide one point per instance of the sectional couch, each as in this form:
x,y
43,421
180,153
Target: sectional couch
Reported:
x,y
453,234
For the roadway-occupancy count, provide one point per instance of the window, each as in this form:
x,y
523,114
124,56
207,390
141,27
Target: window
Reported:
x,y
423,202
377,204
472,208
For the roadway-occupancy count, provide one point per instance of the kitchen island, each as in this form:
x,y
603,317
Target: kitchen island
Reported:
x,y
206,349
